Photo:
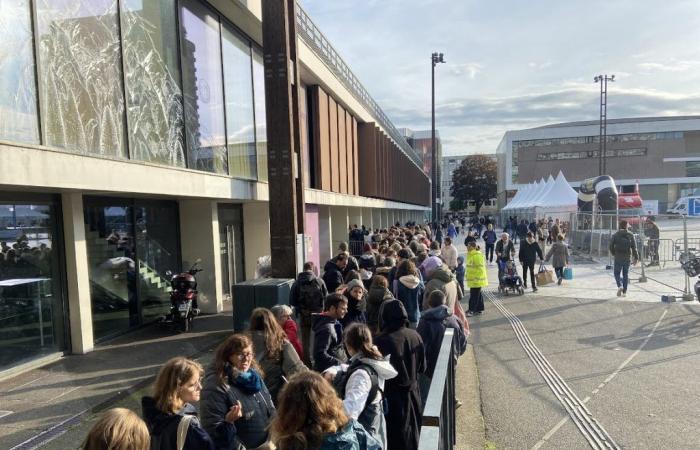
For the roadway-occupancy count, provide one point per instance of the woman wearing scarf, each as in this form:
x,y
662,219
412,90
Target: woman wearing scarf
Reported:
x,y
407,356
235,378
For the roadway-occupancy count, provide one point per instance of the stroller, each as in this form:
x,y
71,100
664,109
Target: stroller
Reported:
x,y
508,278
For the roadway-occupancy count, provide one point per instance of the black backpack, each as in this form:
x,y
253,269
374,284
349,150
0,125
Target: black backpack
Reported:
x,y
310,296
623,244
341,380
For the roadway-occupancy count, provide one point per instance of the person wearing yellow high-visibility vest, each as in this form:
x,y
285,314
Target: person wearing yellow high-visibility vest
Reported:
x,y
476,278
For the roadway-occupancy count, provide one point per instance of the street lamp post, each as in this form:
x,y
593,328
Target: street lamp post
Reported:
x,y
602,144
436,58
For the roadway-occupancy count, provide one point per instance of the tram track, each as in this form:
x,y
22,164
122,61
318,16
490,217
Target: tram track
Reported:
x,y
594,433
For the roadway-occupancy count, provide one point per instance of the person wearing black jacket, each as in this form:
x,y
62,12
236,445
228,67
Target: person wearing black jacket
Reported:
x,y
529,251
327,349
505,250
306,296
333,271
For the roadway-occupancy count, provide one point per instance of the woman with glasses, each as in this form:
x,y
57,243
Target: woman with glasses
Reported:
x,y
235,379
169,414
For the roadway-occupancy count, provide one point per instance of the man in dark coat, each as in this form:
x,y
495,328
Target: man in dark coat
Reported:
x,y
623,248
308,292
333,272
327,347
529,251
402,393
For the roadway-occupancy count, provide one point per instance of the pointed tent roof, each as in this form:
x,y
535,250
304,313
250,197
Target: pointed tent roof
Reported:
x,y
562,193
539,197
519,196
531,193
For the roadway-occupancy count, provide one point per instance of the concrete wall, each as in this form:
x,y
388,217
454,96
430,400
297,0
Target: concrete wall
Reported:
x,y
256,234
339,227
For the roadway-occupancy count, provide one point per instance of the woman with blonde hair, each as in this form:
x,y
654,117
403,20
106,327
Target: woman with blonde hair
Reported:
x,y
118,429
312,417
275,354
235,378
171,417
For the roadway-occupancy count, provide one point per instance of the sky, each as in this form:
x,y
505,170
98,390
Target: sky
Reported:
x,y
514,64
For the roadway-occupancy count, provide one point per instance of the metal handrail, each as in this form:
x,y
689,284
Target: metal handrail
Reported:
x,y
311,34
438,430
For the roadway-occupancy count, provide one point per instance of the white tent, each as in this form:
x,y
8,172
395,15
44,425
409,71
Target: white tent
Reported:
x,y
561,200
541,198
518,198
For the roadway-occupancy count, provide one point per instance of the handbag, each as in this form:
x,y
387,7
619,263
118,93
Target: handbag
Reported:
x,y
568,273
544,275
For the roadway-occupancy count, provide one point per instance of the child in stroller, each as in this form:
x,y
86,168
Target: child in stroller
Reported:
x,y
508,278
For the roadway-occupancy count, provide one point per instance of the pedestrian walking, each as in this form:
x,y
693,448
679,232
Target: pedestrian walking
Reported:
x,y
528,254
327,347
623,248
311,416
170,411
118,429
505,251
407,356
559,254
361,383
477,278
234,381
489,238
274,353
542,235
652,232
307,295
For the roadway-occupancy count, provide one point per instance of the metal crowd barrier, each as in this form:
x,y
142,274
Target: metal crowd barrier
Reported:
x,y
438,428
356,248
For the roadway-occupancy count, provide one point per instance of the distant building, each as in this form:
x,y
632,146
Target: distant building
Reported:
x,y
421,142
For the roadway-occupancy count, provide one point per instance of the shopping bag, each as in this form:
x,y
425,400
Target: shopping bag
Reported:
x,y
568,273
544,275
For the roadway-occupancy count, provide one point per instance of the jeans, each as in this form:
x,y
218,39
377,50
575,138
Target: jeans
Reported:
x,y
489,252
624,267
531,267
559,271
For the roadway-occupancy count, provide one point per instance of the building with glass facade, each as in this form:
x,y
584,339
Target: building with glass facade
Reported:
x,y
669,145
133,141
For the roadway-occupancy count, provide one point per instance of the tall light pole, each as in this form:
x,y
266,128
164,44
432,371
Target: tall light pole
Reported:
x,y
602,144
435,59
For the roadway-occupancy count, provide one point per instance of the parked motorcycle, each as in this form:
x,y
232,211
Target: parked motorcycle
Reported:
x,y
183,298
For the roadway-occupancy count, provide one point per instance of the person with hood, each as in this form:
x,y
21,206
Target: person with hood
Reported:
x,y
327,349
477,278
368,264
357,303
401,256
176,388
433,323
361,382
451,231
275,353
439,278
560,257
334,272
408,289
489,238
528,254
407,355
234,382
623,247
307,294
311,416
449,254
378,294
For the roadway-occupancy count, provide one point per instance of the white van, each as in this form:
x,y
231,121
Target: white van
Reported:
x,y
681,206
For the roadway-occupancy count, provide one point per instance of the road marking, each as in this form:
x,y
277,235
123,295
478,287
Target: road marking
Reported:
x,y
5,413
610,377
27,383
62,394
590,428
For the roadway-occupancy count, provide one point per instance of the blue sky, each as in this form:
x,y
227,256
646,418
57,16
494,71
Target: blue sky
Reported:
x,y
515,64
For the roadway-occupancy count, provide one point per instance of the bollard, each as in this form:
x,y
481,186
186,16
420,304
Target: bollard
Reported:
x,y
643,278
610,261
687,296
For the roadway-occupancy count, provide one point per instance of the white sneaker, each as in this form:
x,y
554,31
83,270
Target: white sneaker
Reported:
x,y
619,292
624,294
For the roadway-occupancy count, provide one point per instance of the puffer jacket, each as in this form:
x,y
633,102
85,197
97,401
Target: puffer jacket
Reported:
x,y
285,365
409,290
163,429
351,437
375,298
559,253
442,280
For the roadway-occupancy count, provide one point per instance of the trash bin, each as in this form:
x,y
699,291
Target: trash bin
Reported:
x,y
244,302
273,291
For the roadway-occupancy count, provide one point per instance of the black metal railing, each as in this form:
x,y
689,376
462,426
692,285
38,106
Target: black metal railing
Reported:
x,y
438,429
311,34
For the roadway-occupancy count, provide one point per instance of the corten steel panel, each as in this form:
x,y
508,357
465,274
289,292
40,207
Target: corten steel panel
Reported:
x,y
365,156
377,169
342,151
355,155
321,144
349,153
333,127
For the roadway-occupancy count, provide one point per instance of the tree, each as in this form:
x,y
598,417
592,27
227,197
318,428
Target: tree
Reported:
x,y
475,179
456,205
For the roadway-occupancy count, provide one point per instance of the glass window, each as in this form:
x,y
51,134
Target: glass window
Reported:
x,y
202,83
80,76
240,119
692,168
153,93
17,83
260,114
31,302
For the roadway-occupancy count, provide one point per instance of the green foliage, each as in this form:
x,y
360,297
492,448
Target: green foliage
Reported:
x,y
457,205
474,179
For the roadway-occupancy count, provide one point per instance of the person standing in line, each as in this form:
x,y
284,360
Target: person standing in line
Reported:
x,y
334,272
408,289
559,253
529,251
623,248
119,429
307,294
489,238
460,272
327,348
476,279
357,302
283,316
449,254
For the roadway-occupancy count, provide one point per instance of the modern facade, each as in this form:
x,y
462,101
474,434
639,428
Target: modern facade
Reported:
x,y
662,154
133,141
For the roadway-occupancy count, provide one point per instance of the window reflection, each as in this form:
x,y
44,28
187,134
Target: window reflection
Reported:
x,y
260,114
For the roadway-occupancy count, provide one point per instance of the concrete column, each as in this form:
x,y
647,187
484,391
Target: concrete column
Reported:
x,y
386,220
376,217
392,217
355,217
78,281
325,235
339,226
256,234
199,226
368,218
